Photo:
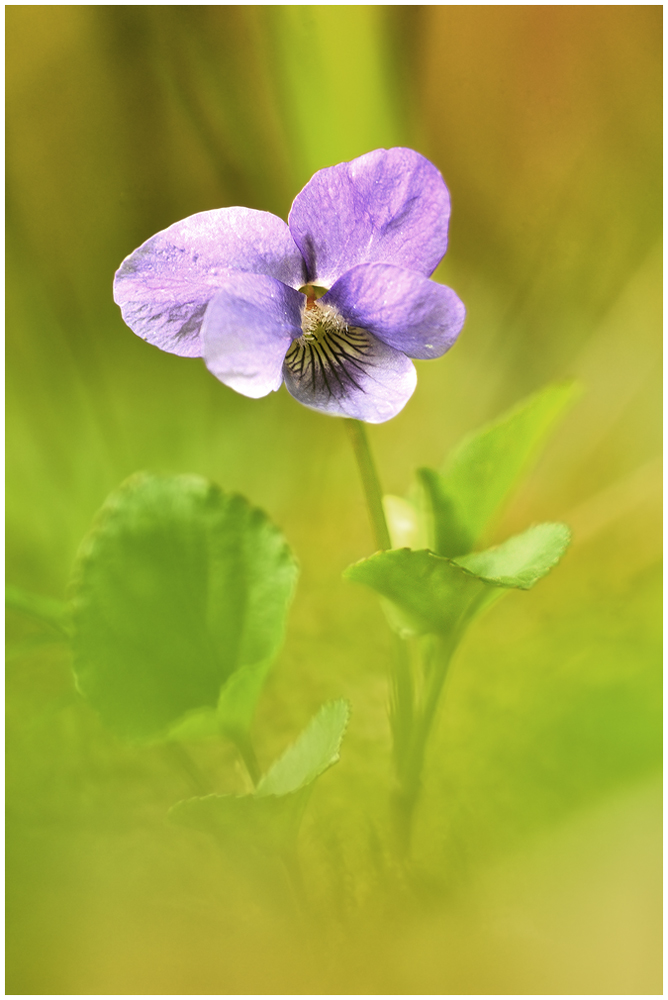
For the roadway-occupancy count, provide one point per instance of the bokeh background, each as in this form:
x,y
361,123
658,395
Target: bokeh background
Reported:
x,y
537,843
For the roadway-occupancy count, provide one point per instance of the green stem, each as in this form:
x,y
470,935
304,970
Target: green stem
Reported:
x,y
370,482
411,724
411,764
401,702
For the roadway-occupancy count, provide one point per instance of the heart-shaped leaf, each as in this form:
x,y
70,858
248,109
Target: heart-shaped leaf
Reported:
x,y
177,587
433,594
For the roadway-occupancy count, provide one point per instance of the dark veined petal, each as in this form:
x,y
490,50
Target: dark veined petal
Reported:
x,y
164,287
247,330
350,373
390,205
402,308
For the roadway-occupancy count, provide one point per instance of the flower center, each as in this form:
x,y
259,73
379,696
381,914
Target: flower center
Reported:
x,y
320,322
331,358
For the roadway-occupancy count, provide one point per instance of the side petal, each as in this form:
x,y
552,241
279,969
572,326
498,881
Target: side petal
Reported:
x,y
402,308
390,205
164,287
247,330
350,375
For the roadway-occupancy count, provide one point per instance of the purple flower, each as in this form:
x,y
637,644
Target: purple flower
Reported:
x,y
245,291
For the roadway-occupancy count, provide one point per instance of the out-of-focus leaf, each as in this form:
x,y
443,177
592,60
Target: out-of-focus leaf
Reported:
x,y
269,818
244,821
433,594
47,610
234,712
239,697
480,473
201,724
177,586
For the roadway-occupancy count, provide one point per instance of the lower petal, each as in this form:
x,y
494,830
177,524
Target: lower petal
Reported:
x,y
247,329
401,307
350,375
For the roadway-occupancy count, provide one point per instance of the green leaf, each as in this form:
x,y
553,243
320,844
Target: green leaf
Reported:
x,y
523,559
427,593
234,713
480,473
177,587
269,818
46,610
433,594
201,724
239,697
316,750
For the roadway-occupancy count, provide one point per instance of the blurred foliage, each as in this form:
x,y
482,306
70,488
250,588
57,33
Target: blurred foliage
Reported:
x,y
536,842
178,592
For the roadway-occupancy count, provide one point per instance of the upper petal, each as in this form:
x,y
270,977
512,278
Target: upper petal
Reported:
x,y
402,308
247,330
350,375
163,288
390,205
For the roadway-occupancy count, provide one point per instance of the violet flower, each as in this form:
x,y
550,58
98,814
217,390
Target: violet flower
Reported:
x,y
244,290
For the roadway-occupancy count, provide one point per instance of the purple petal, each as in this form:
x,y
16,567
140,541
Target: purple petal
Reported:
x,y
390,206
247,330
350,375
402,308
164,287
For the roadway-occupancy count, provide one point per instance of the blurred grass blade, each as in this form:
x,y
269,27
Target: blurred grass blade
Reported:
x,y
481,472
334,111
46,610
432,594
177,586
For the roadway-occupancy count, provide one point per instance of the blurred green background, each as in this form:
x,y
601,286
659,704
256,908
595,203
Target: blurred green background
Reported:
x,y
538,839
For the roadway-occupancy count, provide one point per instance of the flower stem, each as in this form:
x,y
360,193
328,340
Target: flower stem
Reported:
x,y
412,711
370,482
411,763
